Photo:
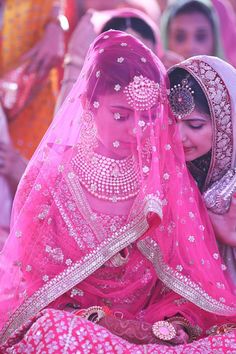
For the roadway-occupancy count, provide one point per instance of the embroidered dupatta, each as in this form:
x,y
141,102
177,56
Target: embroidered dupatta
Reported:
x,y
116,115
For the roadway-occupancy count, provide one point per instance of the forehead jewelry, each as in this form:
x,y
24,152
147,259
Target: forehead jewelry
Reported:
x,y
142,93
181,99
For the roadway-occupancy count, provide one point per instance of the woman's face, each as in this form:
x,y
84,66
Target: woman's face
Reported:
x,y
117,127
191,34
196,134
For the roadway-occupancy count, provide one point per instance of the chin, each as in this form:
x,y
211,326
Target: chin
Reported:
x,y
189,158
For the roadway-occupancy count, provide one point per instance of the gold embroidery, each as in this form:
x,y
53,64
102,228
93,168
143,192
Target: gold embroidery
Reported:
x,y
180,283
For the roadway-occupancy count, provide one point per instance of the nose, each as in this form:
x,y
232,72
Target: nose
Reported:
x,y
192,48
182,132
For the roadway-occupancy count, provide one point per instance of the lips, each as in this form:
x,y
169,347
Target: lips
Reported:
x,y
188,149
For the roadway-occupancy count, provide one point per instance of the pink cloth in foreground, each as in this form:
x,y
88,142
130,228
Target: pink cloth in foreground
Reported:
x,y
54,331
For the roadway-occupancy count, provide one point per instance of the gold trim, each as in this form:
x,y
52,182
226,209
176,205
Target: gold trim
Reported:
x,y
222,145
80,270
180,283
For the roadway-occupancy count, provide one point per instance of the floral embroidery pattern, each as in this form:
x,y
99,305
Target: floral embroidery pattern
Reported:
x,y
219,103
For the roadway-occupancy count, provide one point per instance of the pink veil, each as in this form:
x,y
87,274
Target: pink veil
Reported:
x,y
113,126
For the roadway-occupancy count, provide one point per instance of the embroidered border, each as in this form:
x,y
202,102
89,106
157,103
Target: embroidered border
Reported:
x,y
79,271
219,103
180,283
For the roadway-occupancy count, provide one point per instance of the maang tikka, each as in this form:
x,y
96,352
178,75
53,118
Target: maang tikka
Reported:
x,y
142,93
181,99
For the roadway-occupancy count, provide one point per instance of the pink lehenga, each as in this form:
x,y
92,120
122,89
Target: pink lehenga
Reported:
x,y
106,215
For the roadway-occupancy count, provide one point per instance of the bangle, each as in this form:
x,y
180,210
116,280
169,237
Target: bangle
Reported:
x,y
60,20
163,330
186,325
94,313
225,328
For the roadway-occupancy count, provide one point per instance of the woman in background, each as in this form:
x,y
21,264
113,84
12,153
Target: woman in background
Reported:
x,y
190,27
203,100
92,24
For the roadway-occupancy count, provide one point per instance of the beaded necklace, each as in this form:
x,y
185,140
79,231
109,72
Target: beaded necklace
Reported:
x,y
107,178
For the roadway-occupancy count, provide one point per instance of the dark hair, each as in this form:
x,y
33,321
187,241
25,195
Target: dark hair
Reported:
x,y
193,6
135,23
176,75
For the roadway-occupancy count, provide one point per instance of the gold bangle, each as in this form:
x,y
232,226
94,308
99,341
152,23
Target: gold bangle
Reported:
x,y
94,313
186,325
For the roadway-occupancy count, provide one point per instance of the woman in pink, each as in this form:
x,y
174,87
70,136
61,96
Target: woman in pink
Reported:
x,y
109,251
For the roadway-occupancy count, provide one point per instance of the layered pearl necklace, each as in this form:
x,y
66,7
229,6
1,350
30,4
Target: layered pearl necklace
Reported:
x,y
107,178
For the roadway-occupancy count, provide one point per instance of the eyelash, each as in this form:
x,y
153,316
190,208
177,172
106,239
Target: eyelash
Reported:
x,y
122,118
194,127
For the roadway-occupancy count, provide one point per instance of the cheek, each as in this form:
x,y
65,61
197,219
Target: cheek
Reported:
x,y
205,139
208,45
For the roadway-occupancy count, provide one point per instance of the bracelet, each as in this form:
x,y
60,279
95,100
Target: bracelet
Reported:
x,y
94,313
186,325
60,20
225,328
163,330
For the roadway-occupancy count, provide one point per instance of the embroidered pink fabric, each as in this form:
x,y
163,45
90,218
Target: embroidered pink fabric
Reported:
x,y
106,206
59,331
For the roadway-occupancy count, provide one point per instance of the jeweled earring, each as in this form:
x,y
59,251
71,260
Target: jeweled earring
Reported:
x,y
88,132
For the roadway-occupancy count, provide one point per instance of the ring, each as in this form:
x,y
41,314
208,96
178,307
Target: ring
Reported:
x,y
163,330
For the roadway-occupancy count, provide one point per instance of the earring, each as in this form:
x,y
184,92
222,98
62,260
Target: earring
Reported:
x,y
88,131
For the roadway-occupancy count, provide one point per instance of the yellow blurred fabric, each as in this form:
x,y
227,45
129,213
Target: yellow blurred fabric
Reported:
x,y
23,25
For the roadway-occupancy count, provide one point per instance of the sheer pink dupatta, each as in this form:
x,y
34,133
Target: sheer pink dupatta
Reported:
x,y
116,116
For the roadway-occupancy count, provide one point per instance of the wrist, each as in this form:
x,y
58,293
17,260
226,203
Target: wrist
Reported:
x,y
94,313
185,324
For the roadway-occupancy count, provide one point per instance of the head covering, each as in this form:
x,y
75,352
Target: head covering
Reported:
x,y
217,79
227,19
174,8
101,18
111,149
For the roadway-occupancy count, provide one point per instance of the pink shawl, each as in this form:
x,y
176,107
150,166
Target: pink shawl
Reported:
x,y
111,149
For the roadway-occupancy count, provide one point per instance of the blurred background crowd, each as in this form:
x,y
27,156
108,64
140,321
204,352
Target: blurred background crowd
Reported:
x,y
43,44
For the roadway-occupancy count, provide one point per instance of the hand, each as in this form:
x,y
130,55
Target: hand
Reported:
x,y
181,336
47,53
225,225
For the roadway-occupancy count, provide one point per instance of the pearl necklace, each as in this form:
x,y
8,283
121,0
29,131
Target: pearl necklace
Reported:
x,y
107,178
